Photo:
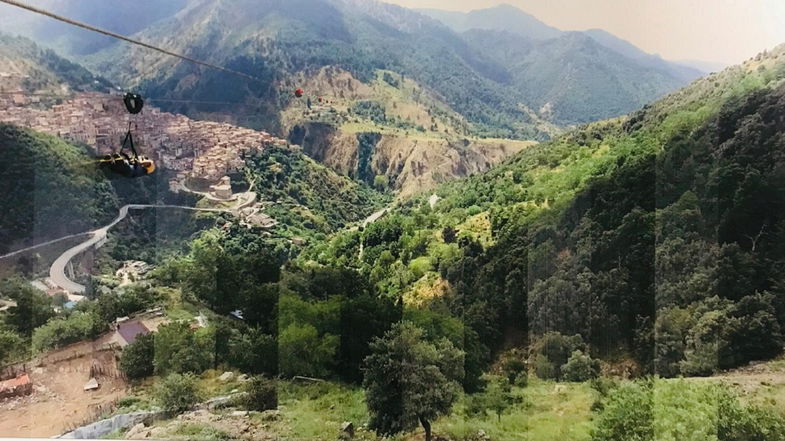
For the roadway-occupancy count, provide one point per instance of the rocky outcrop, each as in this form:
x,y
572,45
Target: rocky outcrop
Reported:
x,y
101,428
412,163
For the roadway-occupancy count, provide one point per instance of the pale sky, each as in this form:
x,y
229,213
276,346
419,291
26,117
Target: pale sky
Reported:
x,y
727,31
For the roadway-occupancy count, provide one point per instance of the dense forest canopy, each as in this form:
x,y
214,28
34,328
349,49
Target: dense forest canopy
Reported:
x,y
643,235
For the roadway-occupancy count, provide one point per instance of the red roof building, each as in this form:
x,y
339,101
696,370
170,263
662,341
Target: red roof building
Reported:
x,y
15,387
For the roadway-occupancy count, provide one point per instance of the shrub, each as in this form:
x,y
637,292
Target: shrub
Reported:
x,y
381,182
513,368
60,332
737,423
261,394
177,393
543,368
557,349
496,398
181,350
389,79
684,411
302,351
627,414
370,109
604,385
580,367
10,343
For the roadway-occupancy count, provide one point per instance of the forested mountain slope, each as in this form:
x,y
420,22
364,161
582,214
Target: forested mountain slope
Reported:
x,y
655,235
574,79
29,68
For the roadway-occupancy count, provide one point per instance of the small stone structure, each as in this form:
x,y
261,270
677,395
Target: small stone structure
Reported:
x,y
223,189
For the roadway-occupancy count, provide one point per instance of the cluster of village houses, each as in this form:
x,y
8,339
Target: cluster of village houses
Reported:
x,y
204,149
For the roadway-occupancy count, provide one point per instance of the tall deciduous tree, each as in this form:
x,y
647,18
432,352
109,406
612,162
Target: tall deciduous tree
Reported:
x,y
409,380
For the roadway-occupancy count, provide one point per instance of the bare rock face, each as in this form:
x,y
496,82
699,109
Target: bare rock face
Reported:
x,y
412,164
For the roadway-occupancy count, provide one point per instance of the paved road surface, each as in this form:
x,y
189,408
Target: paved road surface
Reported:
x,y
57,270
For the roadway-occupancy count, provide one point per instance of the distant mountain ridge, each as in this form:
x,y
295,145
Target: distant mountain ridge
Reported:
x,y
499,18
511,19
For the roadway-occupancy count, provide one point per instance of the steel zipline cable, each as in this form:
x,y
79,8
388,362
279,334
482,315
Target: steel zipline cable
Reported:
x,y
109,96
123,38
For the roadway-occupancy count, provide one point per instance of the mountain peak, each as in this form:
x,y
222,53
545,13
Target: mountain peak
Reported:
x,y
502,17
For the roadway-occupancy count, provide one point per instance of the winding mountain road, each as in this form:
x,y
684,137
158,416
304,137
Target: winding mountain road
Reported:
x,y
57,271
42,244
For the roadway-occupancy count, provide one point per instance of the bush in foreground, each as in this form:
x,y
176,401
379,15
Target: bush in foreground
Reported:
x,y
261,394
177,393
683,411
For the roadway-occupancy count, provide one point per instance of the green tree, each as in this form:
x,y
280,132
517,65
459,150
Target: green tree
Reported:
x,y
177,393
181,350
557,349
253,351
449,234
63,331
513,367
409,380
137,360
497,398
33,308
543,368
580,367
381,182
10,343
302,351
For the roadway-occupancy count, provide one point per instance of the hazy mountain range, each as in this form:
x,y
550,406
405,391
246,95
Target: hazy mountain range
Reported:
x,y
501,69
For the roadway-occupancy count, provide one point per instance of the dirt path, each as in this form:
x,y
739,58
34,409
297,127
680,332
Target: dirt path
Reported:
x,y
59,401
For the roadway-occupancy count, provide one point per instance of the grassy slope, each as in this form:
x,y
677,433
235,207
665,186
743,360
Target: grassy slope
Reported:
x,y
547,411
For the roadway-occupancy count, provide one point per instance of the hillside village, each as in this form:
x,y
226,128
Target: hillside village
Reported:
x,y
201,149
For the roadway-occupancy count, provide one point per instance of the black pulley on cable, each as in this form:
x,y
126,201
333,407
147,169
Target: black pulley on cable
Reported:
x,y
133,102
